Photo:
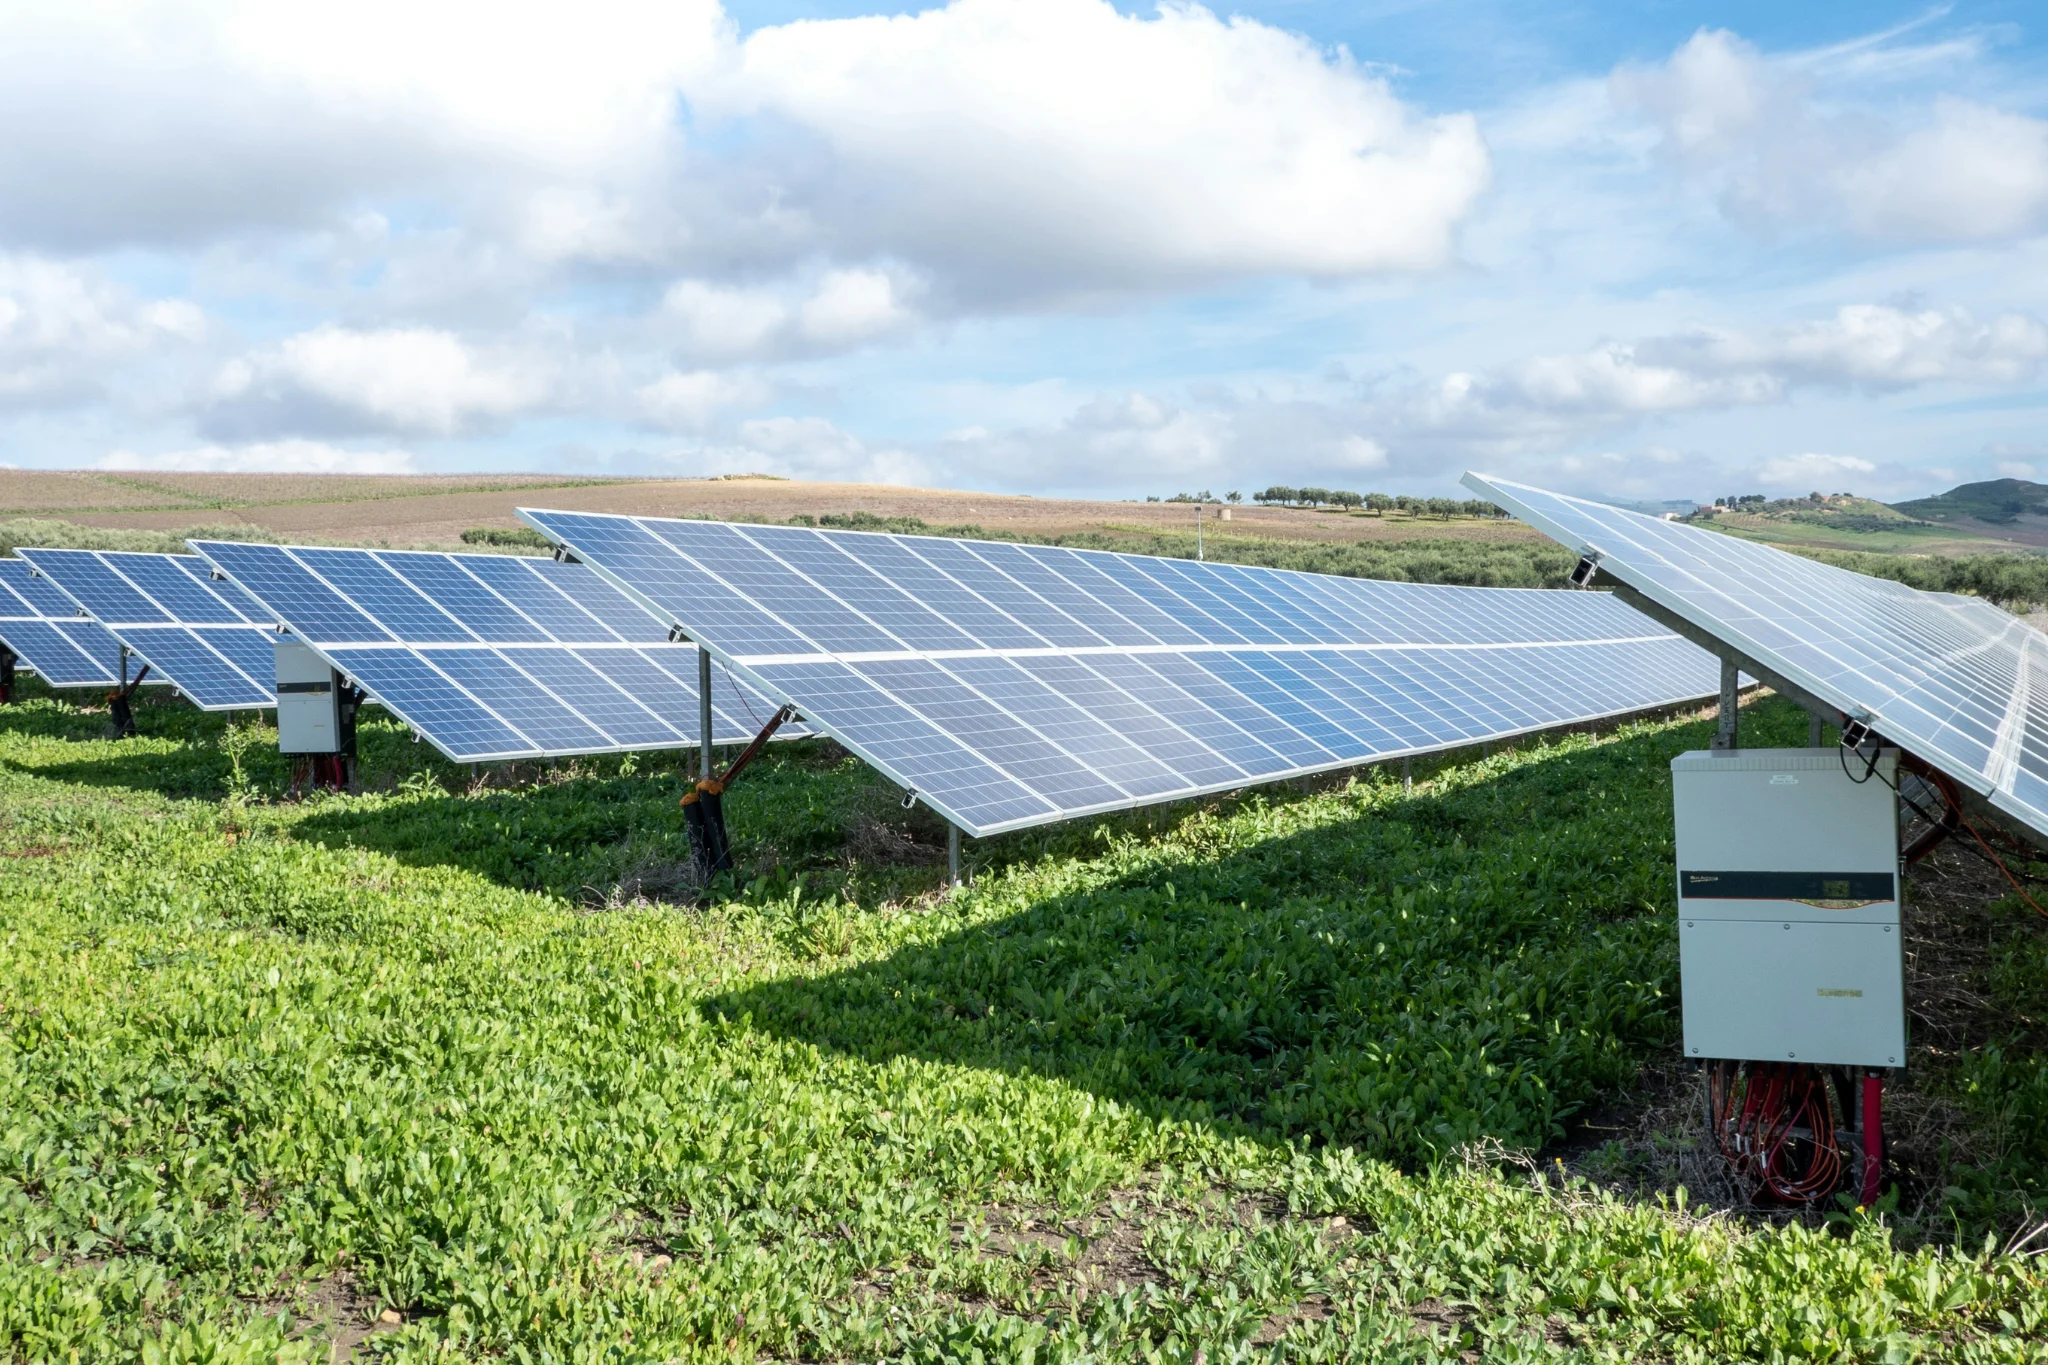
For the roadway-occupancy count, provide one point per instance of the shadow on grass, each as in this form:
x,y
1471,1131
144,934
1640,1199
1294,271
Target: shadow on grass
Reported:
x,y
1480,959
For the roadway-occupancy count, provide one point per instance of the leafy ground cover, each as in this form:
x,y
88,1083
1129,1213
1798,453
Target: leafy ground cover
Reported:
x,y
1302,1075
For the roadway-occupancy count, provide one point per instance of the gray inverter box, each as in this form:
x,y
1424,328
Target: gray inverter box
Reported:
x,y
1789,938
308,701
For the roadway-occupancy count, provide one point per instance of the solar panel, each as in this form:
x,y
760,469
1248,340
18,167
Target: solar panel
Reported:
x,y
1949,678
493,657
47,634
204,637
1014,685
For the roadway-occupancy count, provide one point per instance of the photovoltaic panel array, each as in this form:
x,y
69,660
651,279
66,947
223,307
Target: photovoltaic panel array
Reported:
x,y
47,634
1952,679
205,637
493,657
1013,685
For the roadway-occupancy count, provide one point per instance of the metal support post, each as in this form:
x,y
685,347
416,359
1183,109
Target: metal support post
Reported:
x,y
1200,508
6,675
703,713
952,855
1813,725
1726,735
1407,774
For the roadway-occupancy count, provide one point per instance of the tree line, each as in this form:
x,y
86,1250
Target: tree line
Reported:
x,y
1378,503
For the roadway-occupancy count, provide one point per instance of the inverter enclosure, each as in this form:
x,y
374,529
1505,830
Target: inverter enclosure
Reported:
x,y
308,701
1789,938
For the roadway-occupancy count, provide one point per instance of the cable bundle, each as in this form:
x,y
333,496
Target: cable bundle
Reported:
x,y
1771,1119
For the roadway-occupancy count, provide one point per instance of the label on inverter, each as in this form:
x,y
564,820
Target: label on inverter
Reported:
x,y
1823,890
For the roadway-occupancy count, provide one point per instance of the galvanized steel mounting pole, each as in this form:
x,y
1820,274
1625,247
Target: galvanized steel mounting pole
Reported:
x,y
703,713
1813,724
1200,508
952,855
1731,706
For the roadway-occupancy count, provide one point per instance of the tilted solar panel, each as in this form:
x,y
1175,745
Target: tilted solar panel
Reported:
x,y
1013,685
1949,678
493,657
44,630
203,636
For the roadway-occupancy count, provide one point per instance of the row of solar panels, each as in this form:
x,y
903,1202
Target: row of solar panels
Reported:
x,y
1011,685
540,657
1007,685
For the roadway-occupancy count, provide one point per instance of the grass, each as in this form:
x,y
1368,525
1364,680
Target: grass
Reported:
x,y
1240,1079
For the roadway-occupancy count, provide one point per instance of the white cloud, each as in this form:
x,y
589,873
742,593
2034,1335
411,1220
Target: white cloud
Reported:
x,y
1015,146
1863,346
1362,452
839,310
1781,144
813,448
410,379
268,457
1061,140
60,326
715,323
852,306
167,120
1811,470
691,401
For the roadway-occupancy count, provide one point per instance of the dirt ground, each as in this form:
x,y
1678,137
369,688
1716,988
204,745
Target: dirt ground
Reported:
x,y
402,509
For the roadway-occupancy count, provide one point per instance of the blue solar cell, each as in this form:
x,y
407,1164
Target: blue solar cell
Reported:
x,y
518,700
385,597
986,624
292,593
620,716
92,584
565,683
94,641
186,597
55,659
895,738
1948,678
147,602
975,574
520,582
478,606
625,618
1174,762
404,684
40,596
1095,623
884,605
656,571
810,612
252,649
988,730
188,664
1014,657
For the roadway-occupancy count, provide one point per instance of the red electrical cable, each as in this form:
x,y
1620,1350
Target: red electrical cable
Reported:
x,y
1784,1115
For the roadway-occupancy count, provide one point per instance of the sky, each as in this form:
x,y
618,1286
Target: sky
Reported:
x,y
1058,247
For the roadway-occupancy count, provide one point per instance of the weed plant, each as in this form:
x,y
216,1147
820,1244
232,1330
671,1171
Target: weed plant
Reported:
x,y
1243,1079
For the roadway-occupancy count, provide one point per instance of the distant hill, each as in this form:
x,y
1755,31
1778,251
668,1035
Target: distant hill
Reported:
x,y
1995,502
1840,521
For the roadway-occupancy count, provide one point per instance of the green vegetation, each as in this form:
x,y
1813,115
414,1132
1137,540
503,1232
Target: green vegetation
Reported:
x,y
1378,503
1998,501
501,537
1233,1080
51,534
2015,580
1485,563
